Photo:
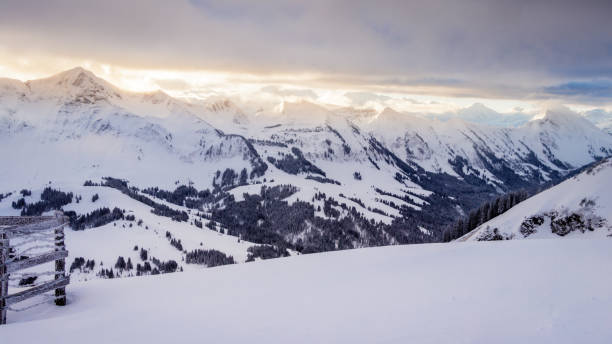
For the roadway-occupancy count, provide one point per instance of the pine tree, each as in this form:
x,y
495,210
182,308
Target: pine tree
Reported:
x,y
459,229
471,223
477,218
484,214
120,265
494,209
243,176
446,235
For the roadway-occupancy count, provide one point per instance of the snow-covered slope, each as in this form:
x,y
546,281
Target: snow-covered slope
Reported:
x,y
149,231
578,207
539,291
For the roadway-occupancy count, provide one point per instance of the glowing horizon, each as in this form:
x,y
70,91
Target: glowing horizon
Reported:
x,y
507,56
194,84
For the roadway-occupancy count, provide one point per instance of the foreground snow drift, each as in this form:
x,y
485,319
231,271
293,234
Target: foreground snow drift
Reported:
x,y
557,291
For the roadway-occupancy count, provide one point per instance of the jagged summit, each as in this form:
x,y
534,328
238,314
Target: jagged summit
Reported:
x,y
569,124
563,116
78,85
77,77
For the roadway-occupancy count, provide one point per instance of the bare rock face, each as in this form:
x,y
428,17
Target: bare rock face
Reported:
x,y
529,226
493,235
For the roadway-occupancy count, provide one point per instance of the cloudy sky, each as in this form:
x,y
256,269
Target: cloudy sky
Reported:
x,y
422,55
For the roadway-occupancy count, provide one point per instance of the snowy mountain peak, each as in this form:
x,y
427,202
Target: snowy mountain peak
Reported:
x,y
77,84
388,112
562,116
477,112
479,107
77,77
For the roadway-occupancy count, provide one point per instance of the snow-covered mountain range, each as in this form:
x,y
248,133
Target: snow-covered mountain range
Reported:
x,y
303,178
104,124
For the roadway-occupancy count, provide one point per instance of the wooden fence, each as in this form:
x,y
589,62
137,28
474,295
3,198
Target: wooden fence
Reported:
x,y
23,226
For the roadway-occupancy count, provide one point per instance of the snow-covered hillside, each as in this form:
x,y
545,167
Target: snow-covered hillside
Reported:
x,y
140,229
538,291
578,207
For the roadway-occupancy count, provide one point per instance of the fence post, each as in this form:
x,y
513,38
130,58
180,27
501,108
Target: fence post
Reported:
x,y
4,276
60,264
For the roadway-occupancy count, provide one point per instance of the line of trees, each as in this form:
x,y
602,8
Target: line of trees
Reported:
x,y
210,258
96,218
158,209
50,199
295,164
266,252
484,213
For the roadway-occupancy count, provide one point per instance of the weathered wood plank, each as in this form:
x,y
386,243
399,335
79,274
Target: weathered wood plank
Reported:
x,y
22,220
60,267
43,288
30,262
4,276
6,229
12,226
51,223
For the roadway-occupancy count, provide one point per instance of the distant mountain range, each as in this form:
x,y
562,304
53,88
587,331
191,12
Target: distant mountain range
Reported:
x,y
344,178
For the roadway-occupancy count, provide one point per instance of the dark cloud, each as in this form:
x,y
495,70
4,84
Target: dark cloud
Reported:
x,y
488,47
596,89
